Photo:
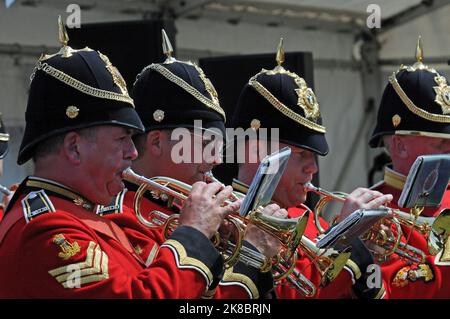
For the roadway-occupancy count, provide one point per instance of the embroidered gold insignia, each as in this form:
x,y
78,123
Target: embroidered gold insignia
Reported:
x,y
93,269
72,112
422,272
68,249
158,115
411,274
401,278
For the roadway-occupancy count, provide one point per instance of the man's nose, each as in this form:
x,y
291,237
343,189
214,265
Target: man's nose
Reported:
x,y
130,150
311,166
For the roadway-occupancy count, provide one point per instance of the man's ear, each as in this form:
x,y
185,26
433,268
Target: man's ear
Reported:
x,y
252,149
71,147
154,142
398,146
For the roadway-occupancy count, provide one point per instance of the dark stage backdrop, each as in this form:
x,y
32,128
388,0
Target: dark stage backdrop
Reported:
x,y
130,45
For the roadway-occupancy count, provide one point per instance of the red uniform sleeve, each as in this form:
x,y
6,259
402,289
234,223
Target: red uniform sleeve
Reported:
x,y
57,256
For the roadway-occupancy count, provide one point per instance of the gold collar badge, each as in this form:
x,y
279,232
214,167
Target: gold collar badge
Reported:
x,y
68,249
81,202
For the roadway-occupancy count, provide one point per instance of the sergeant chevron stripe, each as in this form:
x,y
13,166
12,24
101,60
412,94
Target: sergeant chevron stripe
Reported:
x,y
93,269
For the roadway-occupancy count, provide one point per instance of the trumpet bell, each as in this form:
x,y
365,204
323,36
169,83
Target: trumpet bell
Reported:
x,y
335,267
440,231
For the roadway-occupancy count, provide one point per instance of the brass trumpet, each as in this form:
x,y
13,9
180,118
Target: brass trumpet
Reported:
x,y
171,190
329,263
283,267
434,229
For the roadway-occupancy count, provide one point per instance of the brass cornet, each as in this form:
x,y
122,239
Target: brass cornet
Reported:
x,y
328,262
171,190
283,265
435,229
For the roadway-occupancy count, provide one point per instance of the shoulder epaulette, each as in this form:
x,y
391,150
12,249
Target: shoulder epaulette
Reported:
x,y
36,203
115,207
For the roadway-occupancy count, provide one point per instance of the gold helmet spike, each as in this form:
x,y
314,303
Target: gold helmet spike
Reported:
x,y
65,51
280,53
167,47
63,37
419,50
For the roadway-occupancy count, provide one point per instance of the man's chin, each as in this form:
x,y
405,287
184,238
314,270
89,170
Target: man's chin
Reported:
x,y
115,188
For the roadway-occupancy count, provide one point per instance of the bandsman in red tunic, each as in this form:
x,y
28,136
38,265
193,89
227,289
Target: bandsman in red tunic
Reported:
x,y
79,126
414,120
280,99
171,98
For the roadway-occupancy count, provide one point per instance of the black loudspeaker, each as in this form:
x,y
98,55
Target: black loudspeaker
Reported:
x,y
129,45
229,74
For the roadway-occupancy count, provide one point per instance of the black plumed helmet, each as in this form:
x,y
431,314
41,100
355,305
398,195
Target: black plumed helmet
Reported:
x,y
281,99
175,94
74,89
416,101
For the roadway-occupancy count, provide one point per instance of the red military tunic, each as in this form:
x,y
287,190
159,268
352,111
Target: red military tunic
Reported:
x,y
52,245
415,280
237,282
341,287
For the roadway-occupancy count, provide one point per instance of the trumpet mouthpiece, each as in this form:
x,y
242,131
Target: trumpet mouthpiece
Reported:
x,y
308,186
126,172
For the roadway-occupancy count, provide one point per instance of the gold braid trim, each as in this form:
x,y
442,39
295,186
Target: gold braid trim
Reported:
x,y
4,137
284,109
354,268
394,179
380,294
188,88
80,86
412,107
231,277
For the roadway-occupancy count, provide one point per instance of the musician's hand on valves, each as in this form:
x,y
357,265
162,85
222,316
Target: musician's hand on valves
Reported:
x,y
205,208
363,198
263,241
